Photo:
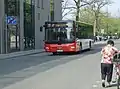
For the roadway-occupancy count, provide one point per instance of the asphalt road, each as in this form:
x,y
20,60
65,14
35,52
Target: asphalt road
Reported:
x,y
45,71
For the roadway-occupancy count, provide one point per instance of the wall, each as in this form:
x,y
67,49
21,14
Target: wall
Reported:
x,y
58,9
42,11
2,26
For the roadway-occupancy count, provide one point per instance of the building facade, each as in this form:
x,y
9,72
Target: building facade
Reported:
x,y
2,26
21,23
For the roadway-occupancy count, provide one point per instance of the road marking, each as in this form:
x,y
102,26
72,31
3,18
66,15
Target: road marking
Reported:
x,y
95,86
97,81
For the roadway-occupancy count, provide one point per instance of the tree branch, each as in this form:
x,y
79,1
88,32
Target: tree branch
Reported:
x,y
66,13
70,7
83,5
75,1
65,5
103,4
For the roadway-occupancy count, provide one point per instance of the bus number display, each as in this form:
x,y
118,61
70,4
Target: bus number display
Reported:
x,y
56,25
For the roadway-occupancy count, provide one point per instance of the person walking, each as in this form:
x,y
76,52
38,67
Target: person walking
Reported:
x,y
108,53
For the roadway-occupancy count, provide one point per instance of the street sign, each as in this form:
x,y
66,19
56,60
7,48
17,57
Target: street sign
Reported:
x,y
11,20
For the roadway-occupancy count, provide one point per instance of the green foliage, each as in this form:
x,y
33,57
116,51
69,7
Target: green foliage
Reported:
x,y
27,12
109,24
87,16
113,25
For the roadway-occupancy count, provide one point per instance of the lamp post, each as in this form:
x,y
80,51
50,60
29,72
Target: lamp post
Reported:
x,y
107,21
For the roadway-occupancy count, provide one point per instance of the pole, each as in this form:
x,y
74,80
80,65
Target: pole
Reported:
x,y
107,18
21,19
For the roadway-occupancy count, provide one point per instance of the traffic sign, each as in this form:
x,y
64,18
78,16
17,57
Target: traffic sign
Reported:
x,y
11,20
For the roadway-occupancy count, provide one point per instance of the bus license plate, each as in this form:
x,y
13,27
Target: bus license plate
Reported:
x,y
59,50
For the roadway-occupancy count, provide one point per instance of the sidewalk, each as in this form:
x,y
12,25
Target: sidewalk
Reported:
x,y
117,41
100,42
20,53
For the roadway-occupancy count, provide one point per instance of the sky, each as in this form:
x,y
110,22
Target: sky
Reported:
x,y
114,9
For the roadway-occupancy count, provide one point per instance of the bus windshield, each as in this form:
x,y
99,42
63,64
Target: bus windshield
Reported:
x,y
59,35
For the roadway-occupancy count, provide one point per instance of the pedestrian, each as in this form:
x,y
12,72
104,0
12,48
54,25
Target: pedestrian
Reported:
x,y
108,53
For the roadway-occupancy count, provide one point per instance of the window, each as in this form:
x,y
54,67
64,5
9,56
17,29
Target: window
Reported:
x,y
38,3
38,16
42,4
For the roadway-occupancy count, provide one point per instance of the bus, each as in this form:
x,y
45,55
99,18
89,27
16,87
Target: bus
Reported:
x,y
67,36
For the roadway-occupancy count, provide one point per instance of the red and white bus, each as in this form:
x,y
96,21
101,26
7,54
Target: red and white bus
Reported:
x,y
67,36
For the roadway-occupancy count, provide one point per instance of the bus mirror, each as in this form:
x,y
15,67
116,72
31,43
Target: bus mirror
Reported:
x,y
41,29
43,25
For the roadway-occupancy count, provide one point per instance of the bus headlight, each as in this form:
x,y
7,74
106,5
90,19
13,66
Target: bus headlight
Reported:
x,y
47,48
72,47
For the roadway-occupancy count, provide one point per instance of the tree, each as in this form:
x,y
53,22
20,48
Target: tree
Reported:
x,y
96,7
86,15
114,26
64,7
78,4
67,9
106,22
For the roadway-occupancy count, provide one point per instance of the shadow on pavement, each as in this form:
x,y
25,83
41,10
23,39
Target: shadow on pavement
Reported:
x,y
112,85
95,49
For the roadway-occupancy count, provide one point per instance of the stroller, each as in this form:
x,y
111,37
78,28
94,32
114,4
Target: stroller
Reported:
x,y
116,62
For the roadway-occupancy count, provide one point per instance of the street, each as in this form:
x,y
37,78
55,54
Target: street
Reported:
x,y
47,71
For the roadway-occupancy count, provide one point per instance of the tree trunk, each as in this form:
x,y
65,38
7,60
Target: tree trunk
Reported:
x,y
94,29
97,24
78,10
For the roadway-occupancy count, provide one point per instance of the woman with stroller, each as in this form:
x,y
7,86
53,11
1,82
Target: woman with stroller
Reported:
x,y
108,53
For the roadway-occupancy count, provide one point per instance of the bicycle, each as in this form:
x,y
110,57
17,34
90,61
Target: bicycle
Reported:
x,y
116,61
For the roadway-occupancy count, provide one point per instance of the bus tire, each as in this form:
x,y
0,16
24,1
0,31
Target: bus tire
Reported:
x,y
80,46
90,45
54,53
118,82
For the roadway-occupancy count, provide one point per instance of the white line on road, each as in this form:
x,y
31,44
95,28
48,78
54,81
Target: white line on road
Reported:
x,y
97,81
94,86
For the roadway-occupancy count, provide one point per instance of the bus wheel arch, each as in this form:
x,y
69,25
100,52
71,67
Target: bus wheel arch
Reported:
x,y
90,45
80,46
54,53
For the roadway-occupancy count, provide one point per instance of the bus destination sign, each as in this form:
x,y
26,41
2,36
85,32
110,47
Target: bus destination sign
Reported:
x,y
58,25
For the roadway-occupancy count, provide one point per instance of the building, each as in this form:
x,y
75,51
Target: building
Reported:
x,y
21,23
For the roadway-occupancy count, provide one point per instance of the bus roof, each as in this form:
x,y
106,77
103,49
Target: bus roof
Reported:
x,y
62,21
84,23
65,21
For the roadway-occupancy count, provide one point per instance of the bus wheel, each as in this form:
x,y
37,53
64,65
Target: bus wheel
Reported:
x,y
54,53
90,45
80,46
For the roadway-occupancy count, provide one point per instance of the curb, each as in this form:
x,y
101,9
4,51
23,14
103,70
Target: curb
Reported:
x,y
8,56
